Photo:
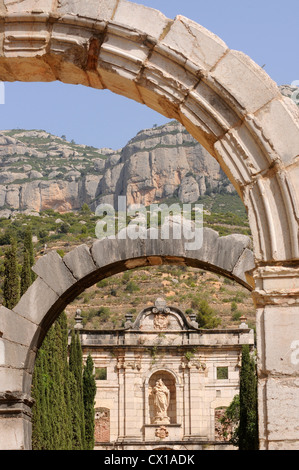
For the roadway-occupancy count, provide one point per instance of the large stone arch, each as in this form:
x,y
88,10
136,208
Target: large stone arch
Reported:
x,y
229,104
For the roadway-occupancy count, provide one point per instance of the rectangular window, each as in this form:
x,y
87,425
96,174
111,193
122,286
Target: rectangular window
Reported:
x,y
101,373
222,373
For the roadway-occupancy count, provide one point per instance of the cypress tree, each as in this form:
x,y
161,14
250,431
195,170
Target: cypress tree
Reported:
x,y
67,396
77,434
52,425
41,392
39,410
89,392
248,428
11,286
28,245
26,279
61,434
76,390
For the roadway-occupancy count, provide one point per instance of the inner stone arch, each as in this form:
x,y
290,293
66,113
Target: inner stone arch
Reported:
x,y
61,280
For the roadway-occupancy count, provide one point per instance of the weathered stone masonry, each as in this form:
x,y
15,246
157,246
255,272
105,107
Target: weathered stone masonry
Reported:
x,y
199,368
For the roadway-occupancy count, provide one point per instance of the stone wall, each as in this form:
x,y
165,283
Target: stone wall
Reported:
x,y
189,369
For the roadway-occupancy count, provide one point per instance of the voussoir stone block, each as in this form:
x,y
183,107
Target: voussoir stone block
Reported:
x,y
229,250
140,17
104,252
54,272
195,42
28,6
97,9
36,301
247,83
244,264
14,354
274,239
15,328
80,262
278,119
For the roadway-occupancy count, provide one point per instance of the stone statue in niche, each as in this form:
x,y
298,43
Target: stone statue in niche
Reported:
x,y
161,396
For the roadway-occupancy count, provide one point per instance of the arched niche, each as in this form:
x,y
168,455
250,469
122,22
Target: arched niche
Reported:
x,y
170,382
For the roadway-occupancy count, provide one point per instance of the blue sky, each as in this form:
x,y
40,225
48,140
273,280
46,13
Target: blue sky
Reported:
x,y
266,30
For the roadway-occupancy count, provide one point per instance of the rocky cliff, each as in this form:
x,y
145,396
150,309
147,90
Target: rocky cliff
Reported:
x,y
40,171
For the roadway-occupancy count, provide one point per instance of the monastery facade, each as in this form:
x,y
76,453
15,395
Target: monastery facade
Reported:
x,y
163,383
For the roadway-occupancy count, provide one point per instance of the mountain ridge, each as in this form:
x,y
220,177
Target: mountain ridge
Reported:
x,y
40,171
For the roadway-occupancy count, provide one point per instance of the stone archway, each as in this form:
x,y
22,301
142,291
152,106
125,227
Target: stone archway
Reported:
x,y
61,280
231,106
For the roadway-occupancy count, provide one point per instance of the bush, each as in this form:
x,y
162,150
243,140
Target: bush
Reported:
x,y
104,313
189,311
113,292
206,316
236,315
64,228
126,276
103,283
132,287
43,234
85,209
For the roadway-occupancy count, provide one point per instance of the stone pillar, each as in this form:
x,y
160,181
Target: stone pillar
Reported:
x,y
198,423
186,400
16,364
131,429
277,300
15,421
121,400
130,404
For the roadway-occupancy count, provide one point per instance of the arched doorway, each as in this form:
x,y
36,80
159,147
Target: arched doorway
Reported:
x,y
232,107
